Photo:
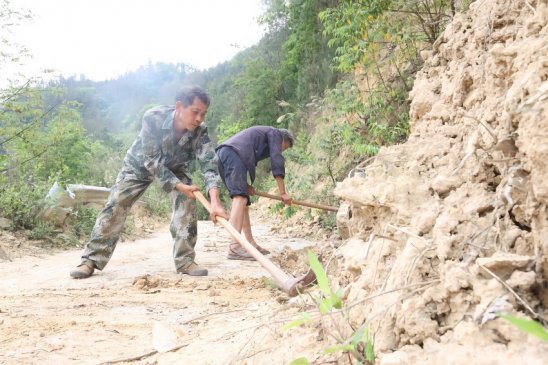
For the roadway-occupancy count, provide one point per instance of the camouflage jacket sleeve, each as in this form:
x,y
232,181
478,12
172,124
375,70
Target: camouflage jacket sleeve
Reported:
x,y
152,137
205,153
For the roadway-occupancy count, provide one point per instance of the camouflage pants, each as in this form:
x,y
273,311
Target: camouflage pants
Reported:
x,y
110,222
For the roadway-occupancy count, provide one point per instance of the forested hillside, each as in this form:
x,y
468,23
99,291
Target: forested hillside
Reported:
x,y
336,73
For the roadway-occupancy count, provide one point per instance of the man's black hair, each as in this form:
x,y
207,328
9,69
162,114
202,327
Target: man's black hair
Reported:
x,y
287,136
189,93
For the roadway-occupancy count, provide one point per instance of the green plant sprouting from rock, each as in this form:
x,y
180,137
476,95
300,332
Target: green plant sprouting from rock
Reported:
x,y
351,340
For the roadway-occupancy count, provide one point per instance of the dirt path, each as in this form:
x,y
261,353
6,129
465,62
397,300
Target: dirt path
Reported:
x,y
233,316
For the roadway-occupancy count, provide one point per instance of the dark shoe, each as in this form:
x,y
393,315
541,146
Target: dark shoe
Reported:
x,y
83,271
193,270
262,250
237,252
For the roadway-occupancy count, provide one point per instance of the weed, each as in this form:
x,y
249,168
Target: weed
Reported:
x,y
84,220
527,325
300,361
41,231
359,344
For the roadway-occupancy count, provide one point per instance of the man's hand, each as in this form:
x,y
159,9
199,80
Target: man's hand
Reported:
x,y
217,209
281,188
286,199
250,190
187,190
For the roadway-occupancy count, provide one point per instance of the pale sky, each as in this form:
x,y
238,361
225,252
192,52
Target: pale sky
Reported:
x,y
105,38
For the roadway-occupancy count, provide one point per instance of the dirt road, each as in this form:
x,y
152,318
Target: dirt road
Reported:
x,y
139,305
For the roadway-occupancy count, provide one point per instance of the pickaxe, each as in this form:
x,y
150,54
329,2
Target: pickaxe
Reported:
x,y
292,286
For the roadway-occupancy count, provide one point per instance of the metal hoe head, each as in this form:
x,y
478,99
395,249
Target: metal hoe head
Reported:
x,y
295,286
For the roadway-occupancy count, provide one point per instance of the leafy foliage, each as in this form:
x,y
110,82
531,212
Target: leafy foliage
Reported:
x,y
42,143
19,204
363,30
41,231
329,299
300,361
306,66
527,325
378,40
336,73
84,220
359,344
303,318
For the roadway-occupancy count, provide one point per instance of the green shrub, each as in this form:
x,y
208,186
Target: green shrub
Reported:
x,y
328,302
42,231
83,220
21,203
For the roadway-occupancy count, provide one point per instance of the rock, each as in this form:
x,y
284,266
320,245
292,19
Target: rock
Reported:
x,y
153,282
509,237
354,253
203,286
426,54
343,220
498,305
5,223
139,283
443,185
522,280
163,338
401,357
455,278
424,221
504,264
3,255
523,246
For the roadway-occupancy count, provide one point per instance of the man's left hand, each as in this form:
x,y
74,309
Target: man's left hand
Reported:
x,y
250,190
187,190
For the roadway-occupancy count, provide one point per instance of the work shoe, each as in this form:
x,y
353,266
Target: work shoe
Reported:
x,y
237,252
82,271
193,270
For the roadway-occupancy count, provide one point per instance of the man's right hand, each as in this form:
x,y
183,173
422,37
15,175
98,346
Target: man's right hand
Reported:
x,y
286,199
217,209
187,190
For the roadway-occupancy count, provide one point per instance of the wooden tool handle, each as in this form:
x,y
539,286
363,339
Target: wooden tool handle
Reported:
x,y
287,283
304,204
265,262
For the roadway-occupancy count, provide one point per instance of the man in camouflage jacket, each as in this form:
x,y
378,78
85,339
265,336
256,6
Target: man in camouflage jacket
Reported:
x,y
170,138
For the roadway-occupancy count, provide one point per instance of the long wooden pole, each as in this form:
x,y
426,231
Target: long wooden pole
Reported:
x,y
298,202
288,283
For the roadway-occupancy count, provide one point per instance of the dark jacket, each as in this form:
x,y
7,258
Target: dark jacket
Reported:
x,y
257,143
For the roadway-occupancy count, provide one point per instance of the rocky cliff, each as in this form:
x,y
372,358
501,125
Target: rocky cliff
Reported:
x,y
451,227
